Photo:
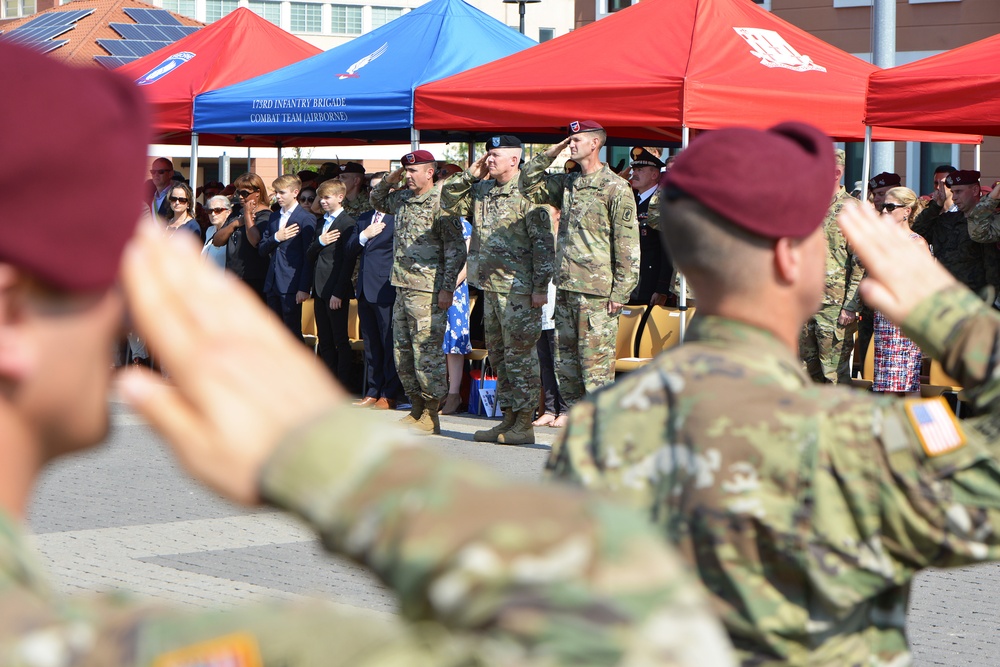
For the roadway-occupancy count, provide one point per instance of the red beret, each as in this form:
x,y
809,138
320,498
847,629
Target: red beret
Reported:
x,y
93,122
417,157
578,126
885,180
962,177
721,170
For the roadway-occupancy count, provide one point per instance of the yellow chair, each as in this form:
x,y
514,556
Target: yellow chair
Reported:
x,y
354,327
478,354
662,332
868,369
309,332
628,329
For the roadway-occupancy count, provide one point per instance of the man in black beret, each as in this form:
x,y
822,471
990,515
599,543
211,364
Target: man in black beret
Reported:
x,y
356,201
976,265
881,184
510,259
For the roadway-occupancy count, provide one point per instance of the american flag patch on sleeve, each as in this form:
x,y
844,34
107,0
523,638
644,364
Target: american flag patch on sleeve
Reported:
x,y
936,425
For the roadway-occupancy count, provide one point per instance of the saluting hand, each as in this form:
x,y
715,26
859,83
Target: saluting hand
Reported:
x,y
479,168
554,150
395,177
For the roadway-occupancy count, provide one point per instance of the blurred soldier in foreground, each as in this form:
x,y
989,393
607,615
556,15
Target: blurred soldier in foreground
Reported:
x,y
806,509
481,563
826,341
597,256
510,259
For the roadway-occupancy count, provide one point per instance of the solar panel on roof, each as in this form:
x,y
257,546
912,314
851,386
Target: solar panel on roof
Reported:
x,y
152,16
38,32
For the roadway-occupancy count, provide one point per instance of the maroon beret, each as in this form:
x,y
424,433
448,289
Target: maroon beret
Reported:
x,y
721,170
578,126
94,123
417,157
962,177
885,180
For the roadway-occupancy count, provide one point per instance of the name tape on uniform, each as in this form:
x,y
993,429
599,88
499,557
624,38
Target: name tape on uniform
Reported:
x,y
936,425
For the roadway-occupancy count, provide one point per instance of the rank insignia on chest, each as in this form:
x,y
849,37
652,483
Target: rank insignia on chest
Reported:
x,y
236,650
935,424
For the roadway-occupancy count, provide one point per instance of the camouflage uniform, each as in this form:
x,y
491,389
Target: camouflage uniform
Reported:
x,y
806,509
825,346
984,221
428,254
510,258
974,264
355,207
597,261
479,564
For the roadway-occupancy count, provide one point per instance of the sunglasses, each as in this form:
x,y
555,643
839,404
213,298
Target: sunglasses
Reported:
x,y
179,200
889,208
245,193
218,210
154,172
307,199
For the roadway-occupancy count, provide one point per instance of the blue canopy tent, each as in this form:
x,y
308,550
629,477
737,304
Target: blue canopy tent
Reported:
x,y
362,89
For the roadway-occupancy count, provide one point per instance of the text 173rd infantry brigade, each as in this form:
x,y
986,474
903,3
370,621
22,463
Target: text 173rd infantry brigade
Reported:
x,y
298,116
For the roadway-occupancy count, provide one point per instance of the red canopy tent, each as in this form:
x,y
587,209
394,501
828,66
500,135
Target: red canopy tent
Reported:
x,y
712,63
952,91
236,48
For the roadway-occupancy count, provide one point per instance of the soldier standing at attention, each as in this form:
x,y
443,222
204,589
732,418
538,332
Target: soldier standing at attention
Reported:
x,y
656,272
827,338
471,556
597,256
356,201
510,259
806,509
428,254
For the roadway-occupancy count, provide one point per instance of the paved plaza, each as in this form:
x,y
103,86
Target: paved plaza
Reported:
x,y
126,517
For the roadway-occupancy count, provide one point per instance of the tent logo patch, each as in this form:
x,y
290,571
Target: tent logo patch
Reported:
x,y
353,69
164,68
774,51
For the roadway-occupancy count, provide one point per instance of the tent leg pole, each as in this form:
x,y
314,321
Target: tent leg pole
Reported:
x,y
281,163
414,139
193,176
472,149
682,296
979,157
866,169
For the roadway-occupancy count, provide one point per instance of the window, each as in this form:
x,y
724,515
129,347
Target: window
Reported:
x,y
382,15
764,4
269,11
545,34
615,5
185,7
216,9
306,17
346,19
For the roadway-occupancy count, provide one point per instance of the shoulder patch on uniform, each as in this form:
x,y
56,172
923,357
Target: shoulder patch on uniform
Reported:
x,y
236,650
935,424
627,215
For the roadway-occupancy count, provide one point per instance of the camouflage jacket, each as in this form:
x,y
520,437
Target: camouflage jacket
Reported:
x,y
974,264
597,250
806,509
843,273
984,221
428,247
510,251
355,207
491,572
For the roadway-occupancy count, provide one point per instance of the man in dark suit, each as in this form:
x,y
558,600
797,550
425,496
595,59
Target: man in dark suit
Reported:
x,y
289,232
656,273
161,174
331,287
376,296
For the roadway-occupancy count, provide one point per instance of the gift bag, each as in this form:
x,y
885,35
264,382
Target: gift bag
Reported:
x,y
483,394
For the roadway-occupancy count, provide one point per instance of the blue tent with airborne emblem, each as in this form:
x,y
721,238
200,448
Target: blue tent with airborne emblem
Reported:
x,y
363,88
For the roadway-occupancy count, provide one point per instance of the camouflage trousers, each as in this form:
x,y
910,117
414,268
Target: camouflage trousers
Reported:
x,y
512,329
417,332
585,344
825,347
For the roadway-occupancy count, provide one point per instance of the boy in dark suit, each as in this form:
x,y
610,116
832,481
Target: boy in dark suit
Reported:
x,y
332,270
289,232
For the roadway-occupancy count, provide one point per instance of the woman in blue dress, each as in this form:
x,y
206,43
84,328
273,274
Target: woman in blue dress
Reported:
x,y
456,337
